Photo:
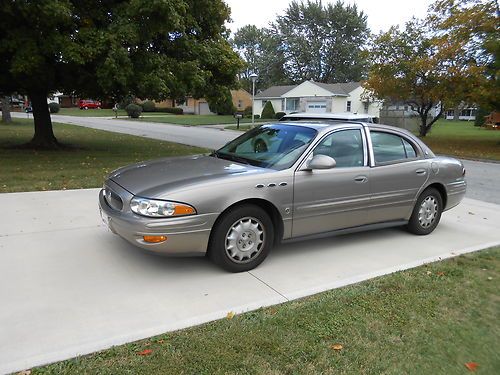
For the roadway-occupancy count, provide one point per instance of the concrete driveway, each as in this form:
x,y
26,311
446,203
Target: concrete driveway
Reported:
x,y
70,287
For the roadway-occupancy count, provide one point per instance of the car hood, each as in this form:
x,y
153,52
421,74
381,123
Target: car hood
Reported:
x,y
155,177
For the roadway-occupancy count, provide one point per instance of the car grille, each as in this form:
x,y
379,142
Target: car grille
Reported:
x,y
113,199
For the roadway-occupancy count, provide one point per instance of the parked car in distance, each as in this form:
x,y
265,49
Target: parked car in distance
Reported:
x,y
316,179
89,104
341,116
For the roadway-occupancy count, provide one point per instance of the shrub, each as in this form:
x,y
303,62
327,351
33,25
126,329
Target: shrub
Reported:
x,y
279,115
268,111
256,117
221,103
175,111
133,110
248,111
54,107
126,101
480,116
148,106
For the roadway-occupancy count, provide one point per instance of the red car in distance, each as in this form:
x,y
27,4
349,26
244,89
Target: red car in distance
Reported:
x,y
89,104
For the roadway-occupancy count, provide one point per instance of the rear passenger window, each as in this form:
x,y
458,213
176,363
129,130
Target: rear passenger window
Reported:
x,y
389,148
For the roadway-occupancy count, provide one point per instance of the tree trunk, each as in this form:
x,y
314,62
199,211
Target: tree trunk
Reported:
x,y
44,136
423,125
6,118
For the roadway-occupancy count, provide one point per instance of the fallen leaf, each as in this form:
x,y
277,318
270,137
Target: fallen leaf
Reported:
x,y
24,372
145,352
471,366
337,346
429,273
230,315
471,213
490,278
161,341
440,273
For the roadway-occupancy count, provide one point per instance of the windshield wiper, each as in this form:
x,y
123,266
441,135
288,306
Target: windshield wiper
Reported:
x,y
232,157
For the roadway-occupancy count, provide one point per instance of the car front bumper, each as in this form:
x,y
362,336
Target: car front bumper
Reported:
x,y
187,235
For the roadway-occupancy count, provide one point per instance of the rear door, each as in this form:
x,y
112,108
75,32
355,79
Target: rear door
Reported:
x,y
330,199
399,170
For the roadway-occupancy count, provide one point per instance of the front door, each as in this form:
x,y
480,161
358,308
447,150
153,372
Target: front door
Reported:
x,y
330,199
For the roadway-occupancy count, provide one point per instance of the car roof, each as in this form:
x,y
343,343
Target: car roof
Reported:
x,y
327,116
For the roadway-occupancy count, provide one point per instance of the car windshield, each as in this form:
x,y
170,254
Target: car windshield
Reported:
x,y
273,146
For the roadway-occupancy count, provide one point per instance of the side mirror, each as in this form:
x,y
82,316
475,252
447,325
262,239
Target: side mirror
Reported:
x,y
321,162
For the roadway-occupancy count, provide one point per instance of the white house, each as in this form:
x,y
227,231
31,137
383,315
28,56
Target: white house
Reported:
x,y
310,96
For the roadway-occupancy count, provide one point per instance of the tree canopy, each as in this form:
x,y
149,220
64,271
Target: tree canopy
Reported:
x,y
261,52
309,41
113,48
322,42
431,62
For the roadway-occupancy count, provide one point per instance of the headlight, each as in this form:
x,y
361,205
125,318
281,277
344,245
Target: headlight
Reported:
x,y
157,208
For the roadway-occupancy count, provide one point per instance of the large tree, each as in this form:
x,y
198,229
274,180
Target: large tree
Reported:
x,y
260,50
113,48
322,42
476,24
431,63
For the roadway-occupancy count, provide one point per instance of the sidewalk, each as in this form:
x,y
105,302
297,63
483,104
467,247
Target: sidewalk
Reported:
x,y
70,287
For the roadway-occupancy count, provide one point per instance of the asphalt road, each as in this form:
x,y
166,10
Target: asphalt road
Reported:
x,y
70,287
199,136
483,178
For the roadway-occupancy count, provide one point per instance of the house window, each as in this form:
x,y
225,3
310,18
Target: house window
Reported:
x,y
240,103
366,105
292,104
348,106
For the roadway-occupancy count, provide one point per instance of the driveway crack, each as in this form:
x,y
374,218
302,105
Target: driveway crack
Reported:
x,y
269,286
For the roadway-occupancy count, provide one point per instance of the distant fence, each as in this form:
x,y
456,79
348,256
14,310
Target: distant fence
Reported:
x,y
399,118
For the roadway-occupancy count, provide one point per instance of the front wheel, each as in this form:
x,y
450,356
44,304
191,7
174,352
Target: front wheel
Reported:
x,y
242,239
426,213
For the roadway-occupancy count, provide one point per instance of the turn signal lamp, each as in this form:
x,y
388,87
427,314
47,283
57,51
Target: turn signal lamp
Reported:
x,y
154,239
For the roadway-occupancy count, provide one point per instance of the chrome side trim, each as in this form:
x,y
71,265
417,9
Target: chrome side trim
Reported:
x,y
339,232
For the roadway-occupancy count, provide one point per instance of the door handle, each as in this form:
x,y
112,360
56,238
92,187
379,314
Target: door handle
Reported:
x,y
421,172
360,178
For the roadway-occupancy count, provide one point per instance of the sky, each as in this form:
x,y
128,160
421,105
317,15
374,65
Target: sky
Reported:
x,y
382,14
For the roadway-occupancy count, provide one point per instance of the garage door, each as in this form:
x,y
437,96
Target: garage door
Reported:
x,y
316,107
203,108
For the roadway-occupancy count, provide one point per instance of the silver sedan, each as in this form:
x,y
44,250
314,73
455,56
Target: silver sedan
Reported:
x,y
281,182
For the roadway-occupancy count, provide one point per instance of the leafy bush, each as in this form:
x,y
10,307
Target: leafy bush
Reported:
x,y
222,104
480,116
54,107
248,111
268,111
126,101
133,110
175,111
279,115
148,106
256,116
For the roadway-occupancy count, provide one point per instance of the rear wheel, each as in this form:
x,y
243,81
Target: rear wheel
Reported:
x,y
242,239
426,213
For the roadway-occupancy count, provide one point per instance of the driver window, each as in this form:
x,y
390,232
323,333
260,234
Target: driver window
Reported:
x,y
345,146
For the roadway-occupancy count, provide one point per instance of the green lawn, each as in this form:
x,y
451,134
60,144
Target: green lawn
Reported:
x,y
90,112
94,154
192,120
463,139
429,320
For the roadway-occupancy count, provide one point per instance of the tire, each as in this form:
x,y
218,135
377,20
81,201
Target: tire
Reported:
x,y
426,213
234,241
